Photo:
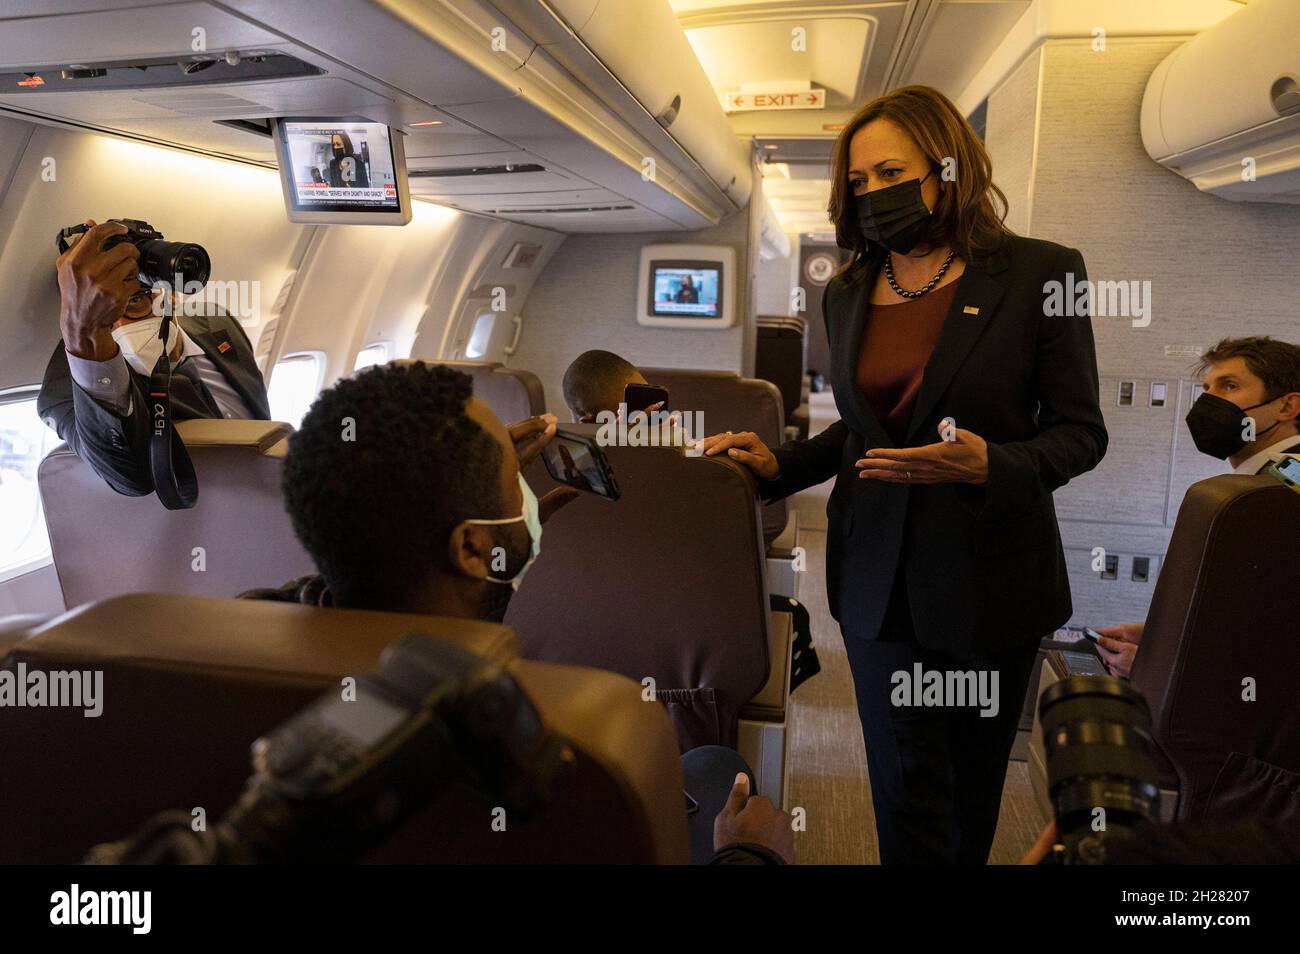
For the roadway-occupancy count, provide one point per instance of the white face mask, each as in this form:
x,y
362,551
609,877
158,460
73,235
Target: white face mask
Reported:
x,y
140,343
531,518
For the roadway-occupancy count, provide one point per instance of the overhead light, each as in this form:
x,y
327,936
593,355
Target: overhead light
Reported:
x,y
770,145
427,122
832,127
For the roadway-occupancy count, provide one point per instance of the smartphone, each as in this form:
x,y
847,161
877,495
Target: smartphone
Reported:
x,y
1091,633
577,461
642,397
1287,470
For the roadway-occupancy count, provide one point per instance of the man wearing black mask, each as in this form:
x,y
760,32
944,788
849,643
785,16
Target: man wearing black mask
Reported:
x,y
1250,410
1249,415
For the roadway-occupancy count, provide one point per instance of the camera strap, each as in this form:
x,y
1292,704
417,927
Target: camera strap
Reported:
x,y
173,472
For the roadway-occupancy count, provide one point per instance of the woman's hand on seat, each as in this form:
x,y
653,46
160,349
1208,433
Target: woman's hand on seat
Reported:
x,y
962,460
744,447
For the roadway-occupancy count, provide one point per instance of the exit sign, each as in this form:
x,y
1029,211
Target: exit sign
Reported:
x,y
793,99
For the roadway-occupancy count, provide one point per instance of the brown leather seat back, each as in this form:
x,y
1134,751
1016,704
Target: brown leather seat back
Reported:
x,y
189,683
1221,619
730,403
238,536
665,583
781,356
513,393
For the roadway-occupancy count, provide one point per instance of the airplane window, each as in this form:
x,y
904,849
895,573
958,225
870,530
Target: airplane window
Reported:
x,y
24,440
481,335
371,354
295,382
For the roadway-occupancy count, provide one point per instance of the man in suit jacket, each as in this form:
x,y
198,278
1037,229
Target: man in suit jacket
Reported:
x,y
94,394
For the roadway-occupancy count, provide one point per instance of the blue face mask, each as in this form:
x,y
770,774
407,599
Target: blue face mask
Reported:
x,y
531,518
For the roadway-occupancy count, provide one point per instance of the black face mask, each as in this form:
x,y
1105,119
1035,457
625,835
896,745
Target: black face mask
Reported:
x,y
895,216
496,596
1216,425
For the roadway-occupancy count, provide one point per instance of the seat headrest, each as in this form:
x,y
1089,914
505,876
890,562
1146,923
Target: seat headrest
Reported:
x,y
514,394
222,432
1220,613
189,683
237,537
666,582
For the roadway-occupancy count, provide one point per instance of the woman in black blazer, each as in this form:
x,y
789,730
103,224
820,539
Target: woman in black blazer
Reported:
x,y
966,383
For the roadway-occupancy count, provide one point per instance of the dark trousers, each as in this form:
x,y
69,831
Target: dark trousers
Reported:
x,y
936,771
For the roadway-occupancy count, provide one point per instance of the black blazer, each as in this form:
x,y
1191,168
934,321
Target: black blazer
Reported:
x,y
983,565
117,448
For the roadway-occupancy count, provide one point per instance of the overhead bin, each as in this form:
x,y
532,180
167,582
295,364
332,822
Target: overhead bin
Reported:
x,y
478,84
1223,110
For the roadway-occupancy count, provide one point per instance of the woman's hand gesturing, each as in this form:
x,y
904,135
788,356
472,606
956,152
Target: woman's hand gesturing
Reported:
x,y
964,459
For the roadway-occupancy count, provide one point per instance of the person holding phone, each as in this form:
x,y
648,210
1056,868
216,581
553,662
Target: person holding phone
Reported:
x,y
943,553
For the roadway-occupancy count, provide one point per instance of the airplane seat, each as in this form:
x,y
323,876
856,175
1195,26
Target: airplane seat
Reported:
x,y
667,584
1219,663
104,544
513,393
1219,630
190,682
781,356
730,402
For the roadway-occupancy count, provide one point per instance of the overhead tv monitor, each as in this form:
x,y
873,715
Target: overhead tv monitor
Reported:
x,y
342,171
687,286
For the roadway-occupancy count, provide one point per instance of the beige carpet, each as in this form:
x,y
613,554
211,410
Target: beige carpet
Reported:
x,y
828,765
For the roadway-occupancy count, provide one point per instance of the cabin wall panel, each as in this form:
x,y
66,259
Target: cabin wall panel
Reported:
x,y
587,297
1216,269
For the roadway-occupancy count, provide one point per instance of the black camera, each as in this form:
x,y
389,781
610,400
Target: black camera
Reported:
x,y
1101,774
161,262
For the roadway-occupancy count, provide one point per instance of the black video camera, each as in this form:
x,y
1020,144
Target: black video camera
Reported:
x,y
161,262
1101,774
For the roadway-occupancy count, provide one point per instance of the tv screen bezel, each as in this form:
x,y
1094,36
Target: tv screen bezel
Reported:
x,y
341,214
697,264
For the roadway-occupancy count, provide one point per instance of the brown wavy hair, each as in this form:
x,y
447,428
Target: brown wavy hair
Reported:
x,y
967,217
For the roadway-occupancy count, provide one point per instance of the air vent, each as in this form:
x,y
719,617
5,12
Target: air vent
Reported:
x,y
509,169
192,103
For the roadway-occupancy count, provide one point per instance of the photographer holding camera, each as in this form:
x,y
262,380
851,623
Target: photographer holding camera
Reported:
x,y
96,386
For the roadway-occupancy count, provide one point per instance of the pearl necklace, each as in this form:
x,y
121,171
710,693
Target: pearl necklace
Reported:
x,y
929,286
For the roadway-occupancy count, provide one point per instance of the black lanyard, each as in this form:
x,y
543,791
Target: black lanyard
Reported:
x,y
173,471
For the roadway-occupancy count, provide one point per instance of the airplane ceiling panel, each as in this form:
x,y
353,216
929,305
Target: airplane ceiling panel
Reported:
x,y
738,54
122,34
543,182
959,39
573,201
845,49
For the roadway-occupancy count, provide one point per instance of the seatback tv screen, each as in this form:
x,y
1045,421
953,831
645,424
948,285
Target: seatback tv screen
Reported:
x,y
342,171
685,289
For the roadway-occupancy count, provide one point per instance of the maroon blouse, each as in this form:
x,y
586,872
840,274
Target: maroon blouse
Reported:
x,y
896,344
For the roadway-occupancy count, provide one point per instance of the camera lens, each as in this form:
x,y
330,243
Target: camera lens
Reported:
x,y
1097,737
163,261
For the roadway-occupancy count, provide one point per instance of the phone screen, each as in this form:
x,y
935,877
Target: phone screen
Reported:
x,y
578,462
